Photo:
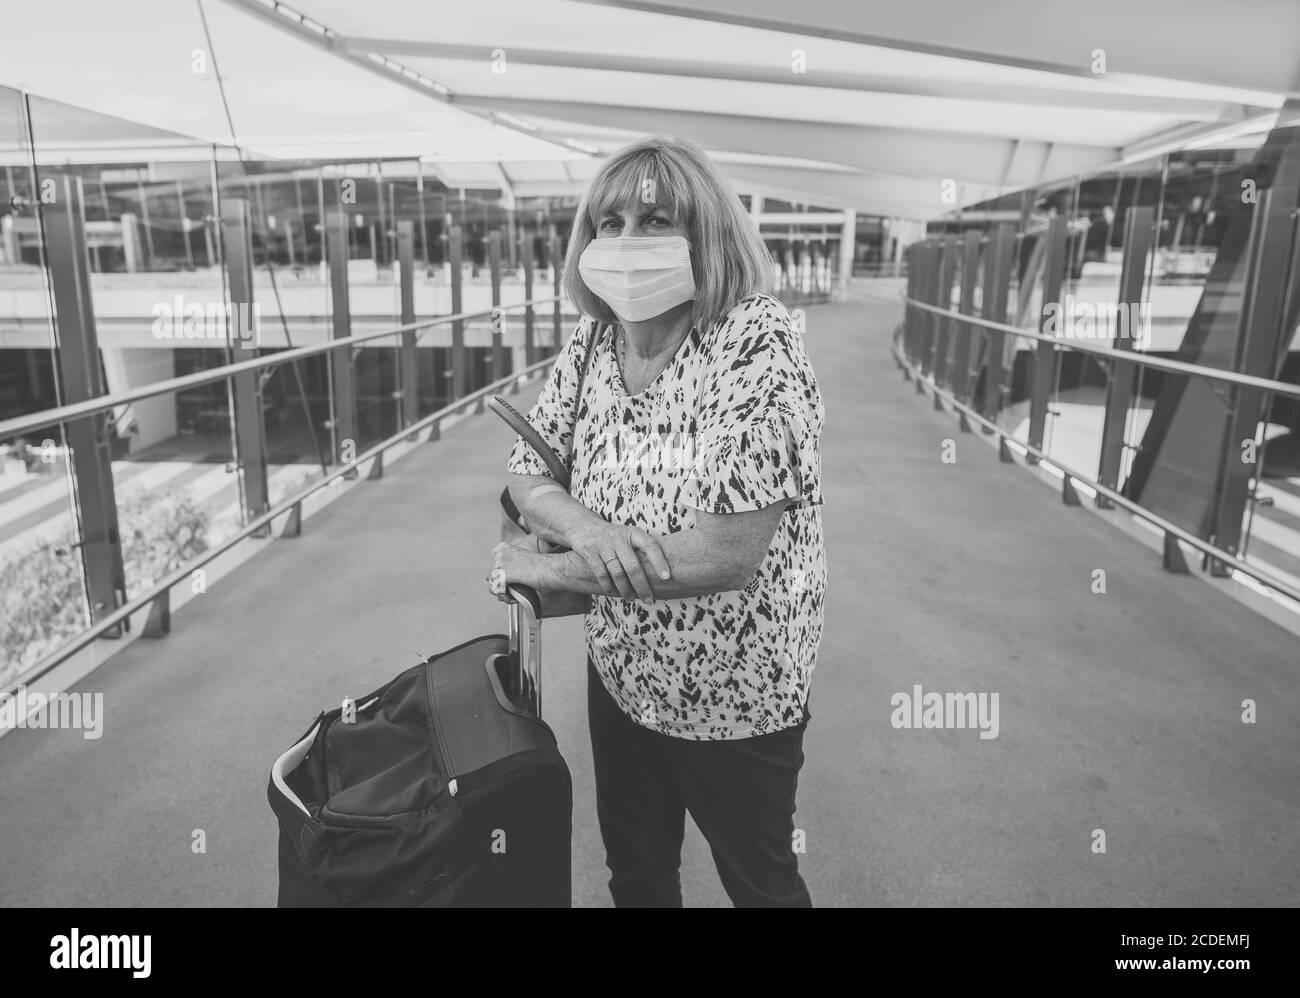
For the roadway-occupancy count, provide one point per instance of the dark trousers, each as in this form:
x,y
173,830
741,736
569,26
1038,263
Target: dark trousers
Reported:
x,y
739,792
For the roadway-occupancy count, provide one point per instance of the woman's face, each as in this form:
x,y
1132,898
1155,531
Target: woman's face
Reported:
x,y
638,219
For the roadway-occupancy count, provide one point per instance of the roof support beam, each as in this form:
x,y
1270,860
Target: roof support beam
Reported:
x,y
974,159
1168,39
869,195
1102,98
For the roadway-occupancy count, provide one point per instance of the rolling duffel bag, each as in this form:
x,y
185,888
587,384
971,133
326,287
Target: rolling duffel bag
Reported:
x,y
443,788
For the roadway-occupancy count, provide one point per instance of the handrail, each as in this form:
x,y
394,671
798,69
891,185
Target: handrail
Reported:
x,y
1227,557
123,612
1129,356
102,403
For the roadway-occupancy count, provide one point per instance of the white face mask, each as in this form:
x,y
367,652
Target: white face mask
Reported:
x,y
639,277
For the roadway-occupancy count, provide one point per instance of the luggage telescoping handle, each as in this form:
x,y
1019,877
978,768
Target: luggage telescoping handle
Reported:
x,y
525,632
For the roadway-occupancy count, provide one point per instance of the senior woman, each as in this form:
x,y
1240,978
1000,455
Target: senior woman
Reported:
x,y
692,520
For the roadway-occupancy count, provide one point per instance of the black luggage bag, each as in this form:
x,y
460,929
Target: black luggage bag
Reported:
x,y
443,788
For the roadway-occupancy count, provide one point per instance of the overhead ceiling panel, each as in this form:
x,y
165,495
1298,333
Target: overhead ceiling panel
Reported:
x,y
1090,126
876,103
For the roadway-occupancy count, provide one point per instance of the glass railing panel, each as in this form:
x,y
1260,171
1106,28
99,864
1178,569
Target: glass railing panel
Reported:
x,y
1033,257
43,600
1271,527
1196,298
289,206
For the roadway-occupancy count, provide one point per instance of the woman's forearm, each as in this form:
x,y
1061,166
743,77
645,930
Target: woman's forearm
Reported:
x,y
720,553
698,569
550,513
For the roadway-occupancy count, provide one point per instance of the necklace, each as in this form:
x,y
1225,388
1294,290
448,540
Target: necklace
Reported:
x,y
623,366
621,353
652,370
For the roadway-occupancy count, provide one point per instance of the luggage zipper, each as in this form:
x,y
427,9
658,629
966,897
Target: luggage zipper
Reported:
x,y
443,749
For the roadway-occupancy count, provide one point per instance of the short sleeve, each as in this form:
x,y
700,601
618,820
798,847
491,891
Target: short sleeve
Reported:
x,y
554,412
761,415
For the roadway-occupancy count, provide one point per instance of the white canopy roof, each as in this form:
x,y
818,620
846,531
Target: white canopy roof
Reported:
x,y
865,105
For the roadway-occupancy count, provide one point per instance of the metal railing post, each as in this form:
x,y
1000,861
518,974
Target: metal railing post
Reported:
x,y
1139,226
245,388
947,267
934,294
917,265
1043,377
90,459
914,316
557,265
966,349
459,364
909,311
408,361
498,320
530,348
993,305
343,417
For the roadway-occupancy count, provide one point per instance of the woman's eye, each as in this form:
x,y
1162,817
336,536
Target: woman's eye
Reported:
x,y
610,224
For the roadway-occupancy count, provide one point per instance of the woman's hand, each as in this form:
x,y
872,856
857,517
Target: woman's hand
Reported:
x,y
509,564
613,554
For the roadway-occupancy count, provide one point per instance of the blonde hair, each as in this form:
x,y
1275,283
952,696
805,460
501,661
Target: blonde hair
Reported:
x,y
728,257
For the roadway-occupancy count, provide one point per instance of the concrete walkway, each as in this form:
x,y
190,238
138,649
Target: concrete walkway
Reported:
x,y
1118,712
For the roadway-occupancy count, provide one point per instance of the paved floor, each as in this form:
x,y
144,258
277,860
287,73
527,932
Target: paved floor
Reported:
x,y
1118,711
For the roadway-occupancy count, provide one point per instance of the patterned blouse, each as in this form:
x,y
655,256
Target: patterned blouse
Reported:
x,y
731,424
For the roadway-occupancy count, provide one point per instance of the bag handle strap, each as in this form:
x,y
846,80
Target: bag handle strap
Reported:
x,y
586,366
597,329
520,425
